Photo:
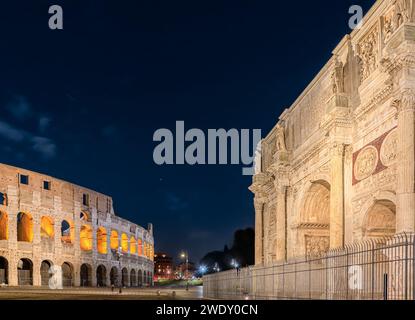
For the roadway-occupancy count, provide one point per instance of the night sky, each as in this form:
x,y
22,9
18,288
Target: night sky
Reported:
x,y
82,104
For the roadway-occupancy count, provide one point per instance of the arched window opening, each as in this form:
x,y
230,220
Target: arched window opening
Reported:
x,y
44,272
85,236
67,274
124,280
114,276
47,229
25,272
4,226
3,199
124,242
140,278
133,245
67,232
102,240
101,276
144,278
114,242
86,275
24,227
4,271
84,216
151,252
140,247
133,278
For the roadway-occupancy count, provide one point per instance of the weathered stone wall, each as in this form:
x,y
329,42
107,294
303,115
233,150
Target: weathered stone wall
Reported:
x,y
65,202
339,165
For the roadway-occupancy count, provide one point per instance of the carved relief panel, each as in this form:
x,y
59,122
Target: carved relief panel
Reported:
x,y
375,157
368,52
316,246
399,13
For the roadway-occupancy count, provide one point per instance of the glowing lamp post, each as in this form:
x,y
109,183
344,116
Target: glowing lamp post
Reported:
x,y
202,269
185,255
234,264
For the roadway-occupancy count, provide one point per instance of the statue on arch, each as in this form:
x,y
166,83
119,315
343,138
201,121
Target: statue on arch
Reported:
x,y
337,77
281,138
403,12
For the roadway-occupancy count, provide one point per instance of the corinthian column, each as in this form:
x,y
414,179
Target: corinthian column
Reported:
x,y
259,231
405,213
281,250
337,196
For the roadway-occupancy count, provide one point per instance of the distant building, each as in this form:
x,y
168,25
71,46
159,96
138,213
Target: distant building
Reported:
x,y
163,266
185,271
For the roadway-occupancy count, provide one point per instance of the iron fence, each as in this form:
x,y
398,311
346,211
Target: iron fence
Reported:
x,y
376,269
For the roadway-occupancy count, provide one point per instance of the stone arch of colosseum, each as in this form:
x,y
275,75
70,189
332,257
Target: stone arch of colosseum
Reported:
x,y
25,269
4,270
44,271
114,274
133,278
101,276
86,275
59,227
67,274
124,277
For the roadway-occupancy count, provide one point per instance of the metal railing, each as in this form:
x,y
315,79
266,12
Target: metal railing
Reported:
x,y
376,269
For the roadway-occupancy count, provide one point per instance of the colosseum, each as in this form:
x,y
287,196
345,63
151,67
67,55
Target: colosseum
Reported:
x,y
47,222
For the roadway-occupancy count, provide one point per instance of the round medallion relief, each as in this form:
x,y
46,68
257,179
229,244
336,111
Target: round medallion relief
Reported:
x,y
388,149
366,163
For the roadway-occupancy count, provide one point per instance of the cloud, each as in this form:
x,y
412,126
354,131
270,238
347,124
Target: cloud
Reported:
x,y
44,146
175,203
44,123
10,133
19,108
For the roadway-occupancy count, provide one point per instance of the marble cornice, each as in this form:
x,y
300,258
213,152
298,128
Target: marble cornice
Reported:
x,y
309,154
378,98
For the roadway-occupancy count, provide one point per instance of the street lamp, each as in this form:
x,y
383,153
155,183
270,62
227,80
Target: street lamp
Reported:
x,y
216,267
202,269
185,255
234,264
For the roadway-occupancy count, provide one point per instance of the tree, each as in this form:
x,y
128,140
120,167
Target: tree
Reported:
x,y
242,250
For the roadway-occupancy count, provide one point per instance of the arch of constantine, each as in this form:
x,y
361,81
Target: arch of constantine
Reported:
x,y
47,222
338,167
334,180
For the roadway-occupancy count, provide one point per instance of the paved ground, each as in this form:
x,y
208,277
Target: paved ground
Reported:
x,y
30,293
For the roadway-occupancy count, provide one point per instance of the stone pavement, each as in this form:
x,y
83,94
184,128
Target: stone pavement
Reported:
x,y
31,293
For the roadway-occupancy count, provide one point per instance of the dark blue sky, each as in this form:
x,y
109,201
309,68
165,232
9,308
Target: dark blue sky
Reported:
x,y
82,104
